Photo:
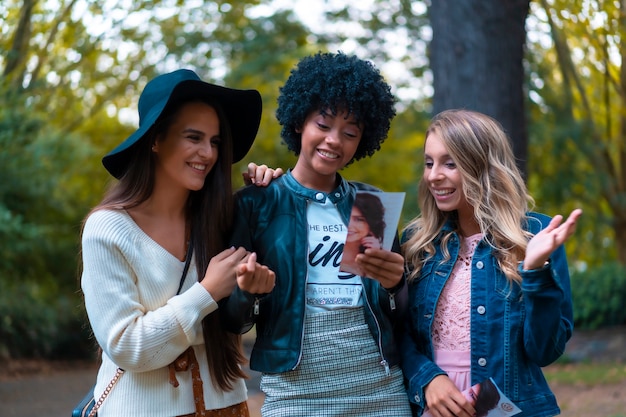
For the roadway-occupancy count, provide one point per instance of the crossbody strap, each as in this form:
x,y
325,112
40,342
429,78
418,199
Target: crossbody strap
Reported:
x,y
106,392
186,268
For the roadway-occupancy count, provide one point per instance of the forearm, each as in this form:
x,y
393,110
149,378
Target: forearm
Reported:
x,y
549,318
141,340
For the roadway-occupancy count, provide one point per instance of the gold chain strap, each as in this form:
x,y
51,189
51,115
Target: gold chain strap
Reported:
x,y
106,392
120,371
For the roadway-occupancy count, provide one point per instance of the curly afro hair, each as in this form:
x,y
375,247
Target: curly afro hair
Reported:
x,y
336,82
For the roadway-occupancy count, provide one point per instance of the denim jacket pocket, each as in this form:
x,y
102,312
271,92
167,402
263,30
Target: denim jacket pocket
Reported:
x,y
420,285
506,289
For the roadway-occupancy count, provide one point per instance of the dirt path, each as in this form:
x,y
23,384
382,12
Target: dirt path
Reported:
x,y
54,391
47,389
43,389
606,400
598,401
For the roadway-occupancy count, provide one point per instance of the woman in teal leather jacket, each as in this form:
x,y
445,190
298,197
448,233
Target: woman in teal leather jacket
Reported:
x,y
325,338
489,290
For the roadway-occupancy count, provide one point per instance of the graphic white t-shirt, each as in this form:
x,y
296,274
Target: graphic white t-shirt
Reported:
x,y
327,287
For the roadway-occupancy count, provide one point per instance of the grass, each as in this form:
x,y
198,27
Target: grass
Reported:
x,y
585,389
586,374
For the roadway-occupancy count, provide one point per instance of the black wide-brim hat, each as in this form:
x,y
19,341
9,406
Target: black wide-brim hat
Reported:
x,y
242,109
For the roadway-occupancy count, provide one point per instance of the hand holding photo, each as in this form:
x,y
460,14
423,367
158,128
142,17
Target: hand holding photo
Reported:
x,y
489,401
373,224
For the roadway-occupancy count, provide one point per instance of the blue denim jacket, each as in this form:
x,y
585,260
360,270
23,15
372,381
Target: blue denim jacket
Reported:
x,y
515,329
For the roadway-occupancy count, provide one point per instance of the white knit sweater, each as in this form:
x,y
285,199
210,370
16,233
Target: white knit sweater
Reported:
x,y
129,283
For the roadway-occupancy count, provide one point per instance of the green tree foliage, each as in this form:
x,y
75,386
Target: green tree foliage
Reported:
x,y
38,212
262,60
71,73
577,84
598,296
384,31
575,101
39,218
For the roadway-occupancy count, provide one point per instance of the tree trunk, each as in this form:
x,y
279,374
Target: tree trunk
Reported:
x,y
476,57
16,58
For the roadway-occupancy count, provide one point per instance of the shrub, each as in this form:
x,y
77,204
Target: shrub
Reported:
x,y
34,326
599,296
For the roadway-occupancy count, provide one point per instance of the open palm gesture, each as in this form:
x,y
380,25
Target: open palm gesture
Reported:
x,y
541,246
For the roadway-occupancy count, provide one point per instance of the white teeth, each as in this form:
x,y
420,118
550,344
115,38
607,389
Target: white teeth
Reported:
x,y
443,192
328,154
198,166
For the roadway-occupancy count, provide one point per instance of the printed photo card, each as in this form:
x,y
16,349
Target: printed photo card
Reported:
x,y
488,401
373,224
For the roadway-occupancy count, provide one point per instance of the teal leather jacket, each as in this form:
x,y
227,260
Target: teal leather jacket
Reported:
x,y
272,222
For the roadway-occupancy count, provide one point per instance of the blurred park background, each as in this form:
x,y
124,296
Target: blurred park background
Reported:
x,y
71,71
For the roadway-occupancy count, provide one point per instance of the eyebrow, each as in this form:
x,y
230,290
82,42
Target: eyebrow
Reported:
x,y
190,130
354,122
199,132
442,156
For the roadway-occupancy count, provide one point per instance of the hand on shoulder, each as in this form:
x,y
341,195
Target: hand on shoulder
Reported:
x,y
260,175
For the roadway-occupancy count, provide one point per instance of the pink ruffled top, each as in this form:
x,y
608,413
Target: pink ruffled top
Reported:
x,y
451,327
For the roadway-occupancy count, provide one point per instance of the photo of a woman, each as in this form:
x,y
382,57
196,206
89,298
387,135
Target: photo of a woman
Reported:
x,y
485,397
365,230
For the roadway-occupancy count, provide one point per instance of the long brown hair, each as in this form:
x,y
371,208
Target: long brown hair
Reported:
x,y
209,212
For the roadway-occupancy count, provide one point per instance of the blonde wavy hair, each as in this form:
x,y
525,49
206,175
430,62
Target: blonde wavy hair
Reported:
x,y
492,185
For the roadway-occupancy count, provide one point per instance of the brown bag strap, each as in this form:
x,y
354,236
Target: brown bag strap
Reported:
x,y
188,361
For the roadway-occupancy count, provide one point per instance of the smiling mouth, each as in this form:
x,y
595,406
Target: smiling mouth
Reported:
x,y
327,154
200,167
442,193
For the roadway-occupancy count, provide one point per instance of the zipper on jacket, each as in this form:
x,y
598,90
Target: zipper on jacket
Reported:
x,y
392,301
303,325
383,361
256,306
306,280
385,364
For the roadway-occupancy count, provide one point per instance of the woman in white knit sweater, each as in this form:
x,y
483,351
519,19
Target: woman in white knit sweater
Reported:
x,y
172,203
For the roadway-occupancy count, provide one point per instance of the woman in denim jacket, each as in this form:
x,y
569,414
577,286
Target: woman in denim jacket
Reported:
x,y
489,291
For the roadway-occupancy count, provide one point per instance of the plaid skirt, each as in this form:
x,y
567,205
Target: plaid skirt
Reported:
x,y
340,373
